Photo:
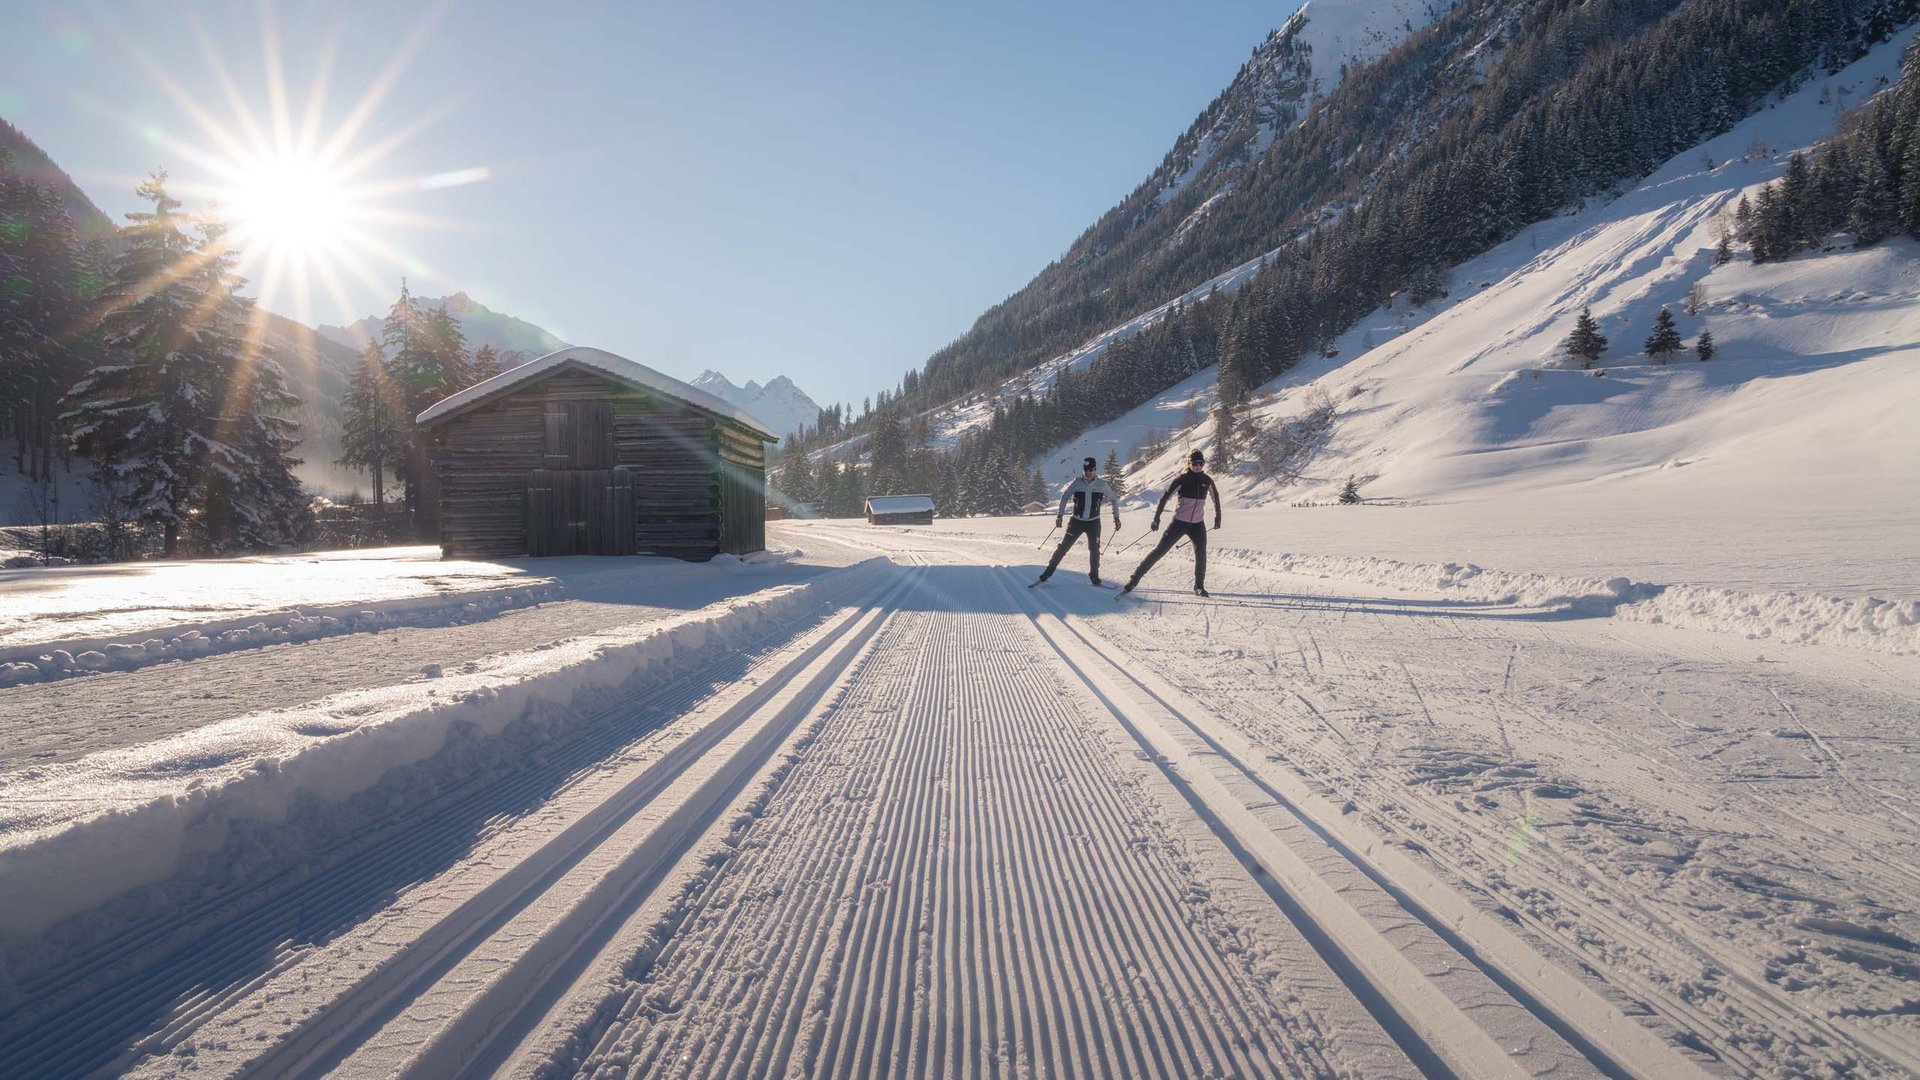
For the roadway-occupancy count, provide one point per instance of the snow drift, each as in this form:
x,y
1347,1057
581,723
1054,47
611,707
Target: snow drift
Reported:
x,y
73,836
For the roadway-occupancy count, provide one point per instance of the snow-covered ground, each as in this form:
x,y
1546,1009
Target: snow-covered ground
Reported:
x,y
871,807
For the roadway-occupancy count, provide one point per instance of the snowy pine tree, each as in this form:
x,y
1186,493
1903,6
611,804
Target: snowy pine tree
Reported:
x,y
426,361
372,434
149,416
1585,343
253,501
1115,479
1665,340
1704,347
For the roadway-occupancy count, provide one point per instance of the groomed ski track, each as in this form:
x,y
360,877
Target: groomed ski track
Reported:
x,y
945,828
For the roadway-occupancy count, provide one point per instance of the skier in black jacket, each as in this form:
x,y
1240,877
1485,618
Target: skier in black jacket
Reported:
x,y
1189,520
1086,493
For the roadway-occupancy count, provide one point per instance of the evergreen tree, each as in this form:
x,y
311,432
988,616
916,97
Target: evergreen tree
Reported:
x,y
150,416
796,479
1037,490
372,434
486,363
1001,486
1350,494
887,459
1115,478
1586,343
253,501
1874,211
1722,251
1704,347
1665,340
49,283
827,488
850,498
426,361
1226,435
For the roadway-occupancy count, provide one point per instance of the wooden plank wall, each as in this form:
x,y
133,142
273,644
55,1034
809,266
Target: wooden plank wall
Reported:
x,y
699,486
743,487
483,459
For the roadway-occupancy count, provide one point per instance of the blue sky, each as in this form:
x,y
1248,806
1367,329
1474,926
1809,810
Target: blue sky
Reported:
x,y
825,190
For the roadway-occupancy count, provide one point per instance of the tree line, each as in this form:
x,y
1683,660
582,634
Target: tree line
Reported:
x,y
146,361
1864,181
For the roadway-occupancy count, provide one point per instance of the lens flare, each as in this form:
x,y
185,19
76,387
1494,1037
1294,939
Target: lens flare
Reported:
x,y
306,191
296,206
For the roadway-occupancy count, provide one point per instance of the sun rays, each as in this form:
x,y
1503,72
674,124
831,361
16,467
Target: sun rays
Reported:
x,y
309,194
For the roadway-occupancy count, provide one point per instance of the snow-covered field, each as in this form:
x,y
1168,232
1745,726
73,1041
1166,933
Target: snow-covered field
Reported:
x,y
871,807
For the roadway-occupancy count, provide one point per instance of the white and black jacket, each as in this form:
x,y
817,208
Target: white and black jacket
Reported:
x,y
1086,497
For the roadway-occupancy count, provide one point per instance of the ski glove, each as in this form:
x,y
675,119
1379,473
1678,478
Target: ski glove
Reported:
x,y
1156,523
1056,520
1216,522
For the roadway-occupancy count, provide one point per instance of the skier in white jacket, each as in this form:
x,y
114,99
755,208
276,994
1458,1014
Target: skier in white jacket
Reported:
x,y
1086,494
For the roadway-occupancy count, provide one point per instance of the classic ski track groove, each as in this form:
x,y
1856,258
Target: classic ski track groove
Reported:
x,y
1654,934
1618,1046
728,746
1611,1043
945,933
109,1029
1623,918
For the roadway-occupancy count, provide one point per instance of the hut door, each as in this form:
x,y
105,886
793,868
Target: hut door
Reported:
x,y
580,512
579,435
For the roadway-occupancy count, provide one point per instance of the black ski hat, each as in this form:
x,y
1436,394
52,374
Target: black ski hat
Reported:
x,y
1197,458
1087,463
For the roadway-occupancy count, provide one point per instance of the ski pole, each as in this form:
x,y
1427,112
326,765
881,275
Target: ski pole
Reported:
x,y
1049,536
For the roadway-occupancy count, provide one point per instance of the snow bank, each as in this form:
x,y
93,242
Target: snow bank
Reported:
x,y
34,663
1891,626
74,836
129,602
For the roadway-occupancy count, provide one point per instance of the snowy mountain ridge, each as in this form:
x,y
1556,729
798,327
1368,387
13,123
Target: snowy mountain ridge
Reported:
x,y
1299,62
780,404
480,324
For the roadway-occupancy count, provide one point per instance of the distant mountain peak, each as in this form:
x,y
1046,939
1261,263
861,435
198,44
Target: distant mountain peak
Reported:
x,y
780,404
480,324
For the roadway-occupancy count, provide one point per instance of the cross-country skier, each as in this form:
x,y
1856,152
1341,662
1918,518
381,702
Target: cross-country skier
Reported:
x,y
1086,493
1189,519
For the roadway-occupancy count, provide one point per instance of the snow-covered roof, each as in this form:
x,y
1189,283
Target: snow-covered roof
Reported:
x,y
599,362
899,504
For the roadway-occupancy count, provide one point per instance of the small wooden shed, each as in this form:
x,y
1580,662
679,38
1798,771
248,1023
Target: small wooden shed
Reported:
x,y
582,452
899,509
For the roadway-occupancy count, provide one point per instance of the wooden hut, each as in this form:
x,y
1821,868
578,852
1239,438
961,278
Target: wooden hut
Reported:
x,y
582,452
899,509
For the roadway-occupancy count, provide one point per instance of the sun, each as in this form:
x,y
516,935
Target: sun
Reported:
x,y
309,197
291,207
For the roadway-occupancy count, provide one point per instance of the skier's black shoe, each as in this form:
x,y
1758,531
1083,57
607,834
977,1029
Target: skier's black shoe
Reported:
x,y
1095,579
1127,588
1198,591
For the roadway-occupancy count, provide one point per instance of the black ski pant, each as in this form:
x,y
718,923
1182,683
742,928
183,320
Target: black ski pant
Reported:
x,y
1197,530
1075,527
